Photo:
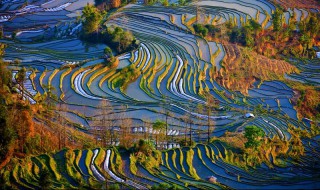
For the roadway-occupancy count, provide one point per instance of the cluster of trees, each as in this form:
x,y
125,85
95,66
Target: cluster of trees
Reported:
x,y
310,4
16,125
293,39
119,39
309,33
206,30
91,19
241,67
277,20
20,134
245,35
112,126
252,45
306,100
15,120
254,136
253,147
93,31
128,75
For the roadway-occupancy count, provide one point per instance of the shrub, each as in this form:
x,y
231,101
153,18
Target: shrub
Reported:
x,y
200,29
212,30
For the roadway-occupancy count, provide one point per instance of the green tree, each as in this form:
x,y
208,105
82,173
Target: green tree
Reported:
x,y
117,34
121,40
305,40
200,29
21,78
126,40
5,74
17,62
254,136
212,30
165,3
144,146
91,19
313,26
254,25
108,52
2,48
247,37
277,19
158,125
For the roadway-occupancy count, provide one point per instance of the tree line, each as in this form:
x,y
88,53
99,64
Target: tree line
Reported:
x,y
292,39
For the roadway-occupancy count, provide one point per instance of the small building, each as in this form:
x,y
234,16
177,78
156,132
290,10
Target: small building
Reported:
x,y
249,115
212,179
318,54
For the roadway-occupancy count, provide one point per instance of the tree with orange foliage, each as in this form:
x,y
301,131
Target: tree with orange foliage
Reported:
x,y
20,78
8,136
115,3
126,138
24,127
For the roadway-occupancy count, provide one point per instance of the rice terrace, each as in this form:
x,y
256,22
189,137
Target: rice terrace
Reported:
x,y
159,94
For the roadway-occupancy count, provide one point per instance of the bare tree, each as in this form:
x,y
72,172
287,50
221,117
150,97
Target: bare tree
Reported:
x,y
190,128
167,115
200,110
185,120
103,123
126,138
158,126
21,78
61,128
209,105
147,126
199,11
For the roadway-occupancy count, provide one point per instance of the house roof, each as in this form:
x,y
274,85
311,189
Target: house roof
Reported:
x,y
249,115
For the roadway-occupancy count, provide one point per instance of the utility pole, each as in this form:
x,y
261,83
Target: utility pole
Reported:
x,y
167,114
210,101
209,125
185,132
190,129
199,11
167,127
